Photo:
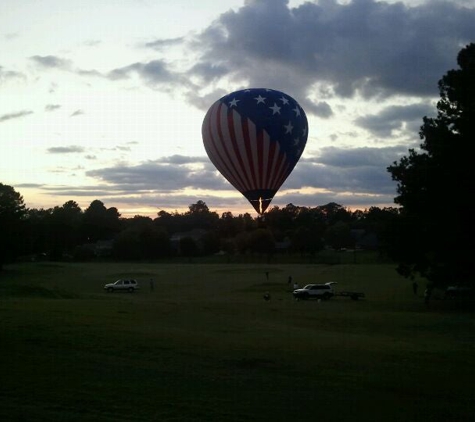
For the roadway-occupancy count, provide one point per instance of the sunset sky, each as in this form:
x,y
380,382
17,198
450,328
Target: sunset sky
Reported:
x,y
104,99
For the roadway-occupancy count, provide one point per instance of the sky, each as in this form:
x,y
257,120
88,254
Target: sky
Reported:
x,y
104,99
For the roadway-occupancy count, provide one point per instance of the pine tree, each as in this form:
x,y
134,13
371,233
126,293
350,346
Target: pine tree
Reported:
x,y
435,234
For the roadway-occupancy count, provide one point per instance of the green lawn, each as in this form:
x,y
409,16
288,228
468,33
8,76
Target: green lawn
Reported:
x,y
205,346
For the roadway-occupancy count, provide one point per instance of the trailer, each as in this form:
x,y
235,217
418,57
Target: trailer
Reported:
x,y
352,295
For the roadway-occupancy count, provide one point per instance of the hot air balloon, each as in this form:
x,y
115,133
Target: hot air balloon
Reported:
x,y
255,137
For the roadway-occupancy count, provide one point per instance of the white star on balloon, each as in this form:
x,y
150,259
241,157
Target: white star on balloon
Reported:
x,y
275,109
288,128
284,100
260,99
297,111
233,103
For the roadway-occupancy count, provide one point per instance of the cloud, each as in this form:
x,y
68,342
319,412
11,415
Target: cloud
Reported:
x,y
29,185
154,73
52,62
392,118
362,47
52,107
55,62
77,113
65,150
325,50
361,171
6,75
165,43
354,177
9,116
92,43
169,174
360,157
91,72
10,36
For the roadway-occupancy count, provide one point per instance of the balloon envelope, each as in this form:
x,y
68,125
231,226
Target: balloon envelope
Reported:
x,y
255,137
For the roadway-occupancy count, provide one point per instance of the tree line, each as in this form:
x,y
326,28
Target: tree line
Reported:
x,y
98,232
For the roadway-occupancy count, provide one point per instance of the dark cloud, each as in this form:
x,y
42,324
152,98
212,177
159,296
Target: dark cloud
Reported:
x,y
384,123
366,46
321,109
18,114
318,50
65,150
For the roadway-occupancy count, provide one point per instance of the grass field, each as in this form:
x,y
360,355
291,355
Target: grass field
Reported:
x,y
205,346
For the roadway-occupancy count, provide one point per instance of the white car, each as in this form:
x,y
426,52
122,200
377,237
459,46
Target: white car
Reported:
x,y
317,291
122,285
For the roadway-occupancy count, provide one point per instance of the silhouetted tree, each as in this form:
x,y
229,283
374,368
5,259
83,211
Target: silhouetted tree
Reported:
x,y
333,212
63,229
199,216
12,212
99,222
228,226
434,236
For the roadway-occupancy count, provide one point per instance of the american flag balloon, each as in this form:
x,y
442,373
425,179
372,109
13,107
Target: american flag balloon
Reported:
x,y
255,137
